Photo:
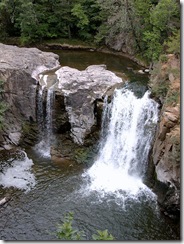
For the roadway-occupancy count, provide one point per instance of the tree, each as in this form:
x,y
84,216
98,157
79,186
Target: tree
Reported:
x,y
8,16
173,43
153,46
164,19
82,20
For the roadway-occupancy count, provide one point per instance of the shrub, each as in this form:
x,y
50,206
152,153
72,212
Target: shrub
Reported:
x,y
102,235
67,232
172,98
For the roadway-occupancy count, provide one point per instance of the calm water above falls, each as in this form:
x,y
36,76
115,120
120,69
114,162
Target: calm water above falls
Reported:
x,y
113,198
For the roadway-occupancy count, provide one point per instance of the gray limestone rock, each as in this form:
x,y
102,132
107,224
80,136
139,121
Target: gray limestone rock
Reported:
x,y
81,89
19,70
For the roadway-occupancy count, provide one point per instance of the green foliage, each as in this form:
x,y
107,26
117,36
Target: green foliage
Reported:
x,y
173,43
102,235
163,58
81,16
163,15
153,46
160,86
164,19
67,232
160,89
172,98
141,25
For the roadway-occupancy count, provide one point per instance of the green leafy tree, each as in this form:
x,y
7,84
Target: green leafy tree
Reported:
x,y
164,19
81,19
8,16
164,16
173,43
153,45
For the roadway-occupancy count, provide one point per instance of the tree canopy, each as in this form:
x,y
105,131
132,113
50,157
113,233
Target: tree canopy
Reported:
x,y
147,24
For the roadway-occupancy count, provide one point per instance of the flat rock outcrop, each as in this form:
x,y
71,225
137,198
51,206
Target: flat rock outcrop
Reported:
x,y
30,60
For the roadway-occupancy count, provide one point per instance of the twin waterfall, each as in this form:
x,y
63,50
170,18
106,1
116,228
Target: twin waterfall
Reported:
x,y
128,128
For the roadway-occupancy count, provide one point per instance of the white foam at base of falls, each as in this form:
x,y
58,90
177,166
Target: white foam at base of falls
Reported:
x,y
18,175
125,144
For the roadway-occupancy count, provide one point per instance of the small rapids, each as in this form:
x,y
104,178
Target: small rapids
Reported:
x,y
18,175
128,128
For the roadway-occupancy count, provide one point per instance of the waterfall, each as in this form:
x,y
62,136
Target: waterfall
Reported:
x,y
128,127
44,118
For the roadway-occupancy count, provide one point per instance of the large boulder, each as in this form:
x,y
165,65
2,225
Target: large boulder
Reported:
x,y
81,91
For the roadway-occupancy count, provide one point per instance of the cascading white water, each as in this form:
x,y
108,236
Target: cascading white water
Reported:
x,y
45,122
18,174
125,145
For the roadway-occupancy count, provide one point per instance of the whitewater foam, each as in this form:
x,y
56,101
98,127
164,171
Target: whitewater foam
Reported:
x,y
18,175
122,160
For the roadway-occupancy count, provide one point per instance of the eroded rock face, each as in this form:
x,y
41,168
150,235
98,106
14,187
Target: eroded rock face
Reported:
x,y
77,94
19,68
81,89
166,149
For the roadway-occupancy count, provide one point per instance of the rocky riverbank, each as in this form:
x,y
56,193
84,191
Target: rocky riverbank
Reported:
x,y
165,84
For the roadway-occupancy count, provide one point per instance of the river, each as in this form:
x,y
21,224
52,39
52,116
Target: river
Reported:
x,y
109,194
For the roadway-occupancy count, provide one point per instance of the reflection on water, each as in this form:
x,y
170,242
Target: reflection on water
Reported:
x,y
122,66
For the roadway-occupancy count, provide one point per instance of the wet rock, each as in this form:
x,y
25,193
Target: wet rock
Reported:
x,y
78,93
19,69
81,89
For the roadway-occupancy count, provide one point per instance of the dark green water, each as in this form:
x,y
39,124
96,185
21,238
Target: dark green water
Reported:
x,y
122,66
34,215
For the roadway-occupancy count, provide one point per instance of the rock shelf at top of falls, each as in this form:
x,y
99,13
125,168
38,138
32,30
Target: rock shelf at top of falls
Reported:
x,y
21,69
80,90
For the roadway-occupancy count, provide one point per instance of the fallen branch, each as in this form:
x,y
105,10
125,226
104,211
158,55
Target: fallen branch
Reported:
x,y
4,200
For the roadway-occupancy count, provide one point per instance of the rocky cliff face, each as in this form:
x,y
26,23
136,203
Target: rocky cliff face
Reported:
x,y
165,83
77,108
18,71
77,95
